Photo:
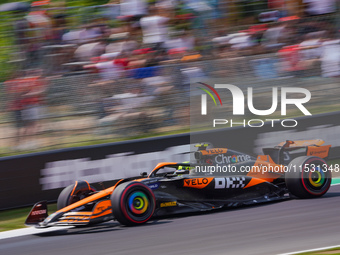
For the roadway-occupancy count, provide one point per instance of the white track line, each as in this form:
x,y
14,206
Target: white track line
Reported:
x,y
28,231
311,250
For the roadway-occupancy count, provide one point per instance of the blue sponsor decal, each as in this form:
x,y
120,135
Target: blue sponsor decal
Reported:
x,y
154,185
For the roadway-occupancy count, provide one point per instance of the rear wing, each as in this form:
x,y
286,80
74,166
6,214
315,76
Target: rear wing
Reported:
x,y
284,152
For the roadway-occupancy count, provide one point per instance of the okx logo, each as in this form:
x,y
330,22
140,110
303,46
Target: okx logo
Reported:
x,y
288,95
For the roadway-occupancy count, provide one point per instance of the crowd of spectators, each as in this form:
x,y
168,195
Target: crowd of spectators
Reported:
x,y
164,32
134,40
25,94
300,45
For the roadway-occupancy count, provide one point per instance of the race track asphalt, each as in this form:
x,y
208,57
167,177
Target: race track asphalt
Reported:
x,y
270,228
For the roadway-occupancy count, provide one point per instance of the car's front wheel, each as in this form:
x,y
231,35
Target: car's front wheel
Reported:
x,y
133,203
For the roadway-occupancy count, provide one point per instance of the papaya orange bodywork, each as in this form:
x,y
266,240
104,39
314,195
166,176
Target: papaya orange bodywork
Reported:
x,y
96,196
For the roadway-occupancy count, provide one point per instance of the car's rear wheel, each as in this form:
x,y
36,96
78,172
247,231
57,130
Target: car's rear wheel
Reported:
x,y
308,177
133,203
74,193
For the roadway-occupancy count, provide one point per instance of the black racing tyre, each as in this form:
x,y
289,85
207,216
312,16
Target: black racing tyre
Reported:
x,y
133,203
308,177
74,193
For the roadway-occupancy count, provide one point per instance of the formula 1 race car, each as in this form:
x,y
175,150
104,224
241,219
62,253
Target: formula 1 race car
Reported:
x,y
218,177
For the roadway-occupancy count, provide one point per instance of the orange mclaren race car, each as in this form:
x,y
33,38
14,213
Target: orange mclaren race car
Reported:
x,y
217,178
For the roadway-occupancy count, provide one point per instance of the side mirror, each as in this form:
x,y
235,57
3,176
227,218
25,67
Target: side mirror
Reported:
x,y
143,174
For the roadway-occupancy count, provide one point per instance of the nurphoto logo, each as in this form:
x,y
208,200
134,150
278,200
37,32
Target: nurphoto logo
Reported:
x,y
285,94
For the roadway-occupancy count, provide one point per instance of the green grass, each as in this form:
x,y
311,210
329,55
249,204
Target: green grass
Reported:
x,y
14,219
334,251
6,43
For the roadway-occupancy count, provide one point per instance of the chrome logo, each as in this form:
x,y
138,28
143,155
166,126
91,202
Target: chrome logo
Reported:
x,y
234,159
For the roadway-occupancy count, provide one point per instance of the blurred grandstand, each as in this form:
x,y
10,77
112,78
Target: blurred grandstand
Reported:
x,y
74,75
